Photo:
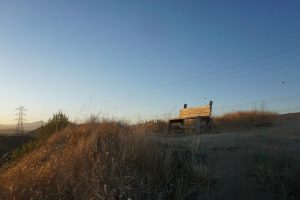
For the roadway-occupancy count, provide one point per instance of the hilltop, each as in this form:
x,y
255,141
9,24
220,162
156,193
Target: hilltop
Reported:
x,y
113,160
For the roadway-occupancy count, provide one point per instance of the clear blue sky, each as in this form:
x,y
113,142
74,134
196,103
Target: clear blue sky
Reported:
x,y
146,58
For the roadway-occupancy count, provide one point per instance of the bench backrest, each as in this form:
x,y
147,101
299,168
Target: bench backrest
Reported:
x,y
202,111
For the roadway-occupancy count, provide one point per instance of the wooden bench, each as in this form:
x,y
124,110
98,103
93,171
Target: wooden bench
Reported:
x,y
200,116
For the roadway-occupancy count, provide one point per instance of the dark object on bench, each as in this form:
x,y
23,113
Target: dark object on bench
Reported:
x,y
200,116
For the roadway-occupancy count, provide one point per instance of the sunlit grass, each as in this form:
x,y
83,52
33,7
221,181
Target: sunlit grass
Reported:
x,y
243,119
107,160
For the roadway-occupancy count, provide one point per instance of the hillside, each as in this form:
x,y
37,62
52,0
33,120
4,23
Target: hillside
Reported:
x,y
10,128
112,160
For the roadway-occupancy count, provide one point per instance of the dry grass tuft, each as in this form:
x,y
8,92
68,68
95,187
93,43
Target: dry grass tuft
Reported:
x,y
243,119
152,126
106,160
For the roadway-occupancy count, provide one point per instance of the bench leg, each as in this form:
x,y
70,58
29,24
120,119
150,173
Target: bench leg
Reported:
x,y
197,125
170,128
209,125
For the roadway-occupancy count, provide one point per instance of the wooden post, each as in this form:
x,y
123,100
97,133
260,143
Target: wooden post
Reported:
x,y
210,106
197,125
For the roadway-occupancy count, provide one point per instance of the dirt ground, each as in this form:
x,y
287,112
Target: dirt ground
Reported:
x,y
231,153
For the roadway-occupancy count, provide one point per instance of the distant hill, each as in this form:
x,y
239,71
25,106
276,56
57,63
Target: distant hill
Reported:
x,y
10,128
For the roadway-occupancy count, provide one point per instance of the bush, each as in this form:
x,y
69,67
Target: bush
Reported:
x,y
56,123
24,149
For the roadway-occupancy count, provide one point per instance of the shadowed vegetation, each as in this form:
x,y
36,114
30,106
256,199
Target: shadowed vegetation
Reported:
x,y
276,176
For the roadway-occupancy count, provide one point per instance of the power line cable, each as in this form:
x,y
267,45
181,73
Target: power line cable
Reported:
x,y
284,98
226,80
220,81
265,100
244,70
201,75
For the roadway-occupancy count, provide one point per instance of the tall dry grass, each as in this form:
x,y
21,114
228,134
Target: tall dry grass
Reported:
x,y
243,119
107,160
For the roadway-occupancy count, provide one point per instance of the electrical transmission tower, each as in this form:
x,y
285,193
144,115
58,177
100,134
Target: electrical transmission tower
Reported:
x,y
20,125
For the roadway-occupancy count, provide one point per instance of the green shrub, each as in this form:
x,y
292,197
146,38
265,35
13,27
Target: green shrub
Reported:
x,y
56,123
21,151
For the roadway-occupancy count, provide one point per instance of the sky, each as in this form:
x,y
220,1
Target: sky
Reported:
x,y
145,59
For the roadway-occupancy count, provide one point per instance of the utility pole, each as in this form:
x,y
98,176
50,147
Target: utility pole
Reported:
x,y
20,125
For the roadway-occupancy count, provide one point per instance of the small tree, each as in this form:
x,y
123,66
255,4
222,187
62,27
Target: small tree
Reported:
x,y
56,123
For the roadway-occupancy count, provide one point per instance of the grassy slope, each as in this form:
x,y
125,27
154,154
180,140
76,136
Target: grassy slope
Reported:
x,y
100,161
107,160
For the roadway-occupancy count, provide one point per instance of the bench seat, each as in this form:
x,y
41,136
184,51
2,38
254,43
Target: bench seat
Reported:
x,y
201,116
